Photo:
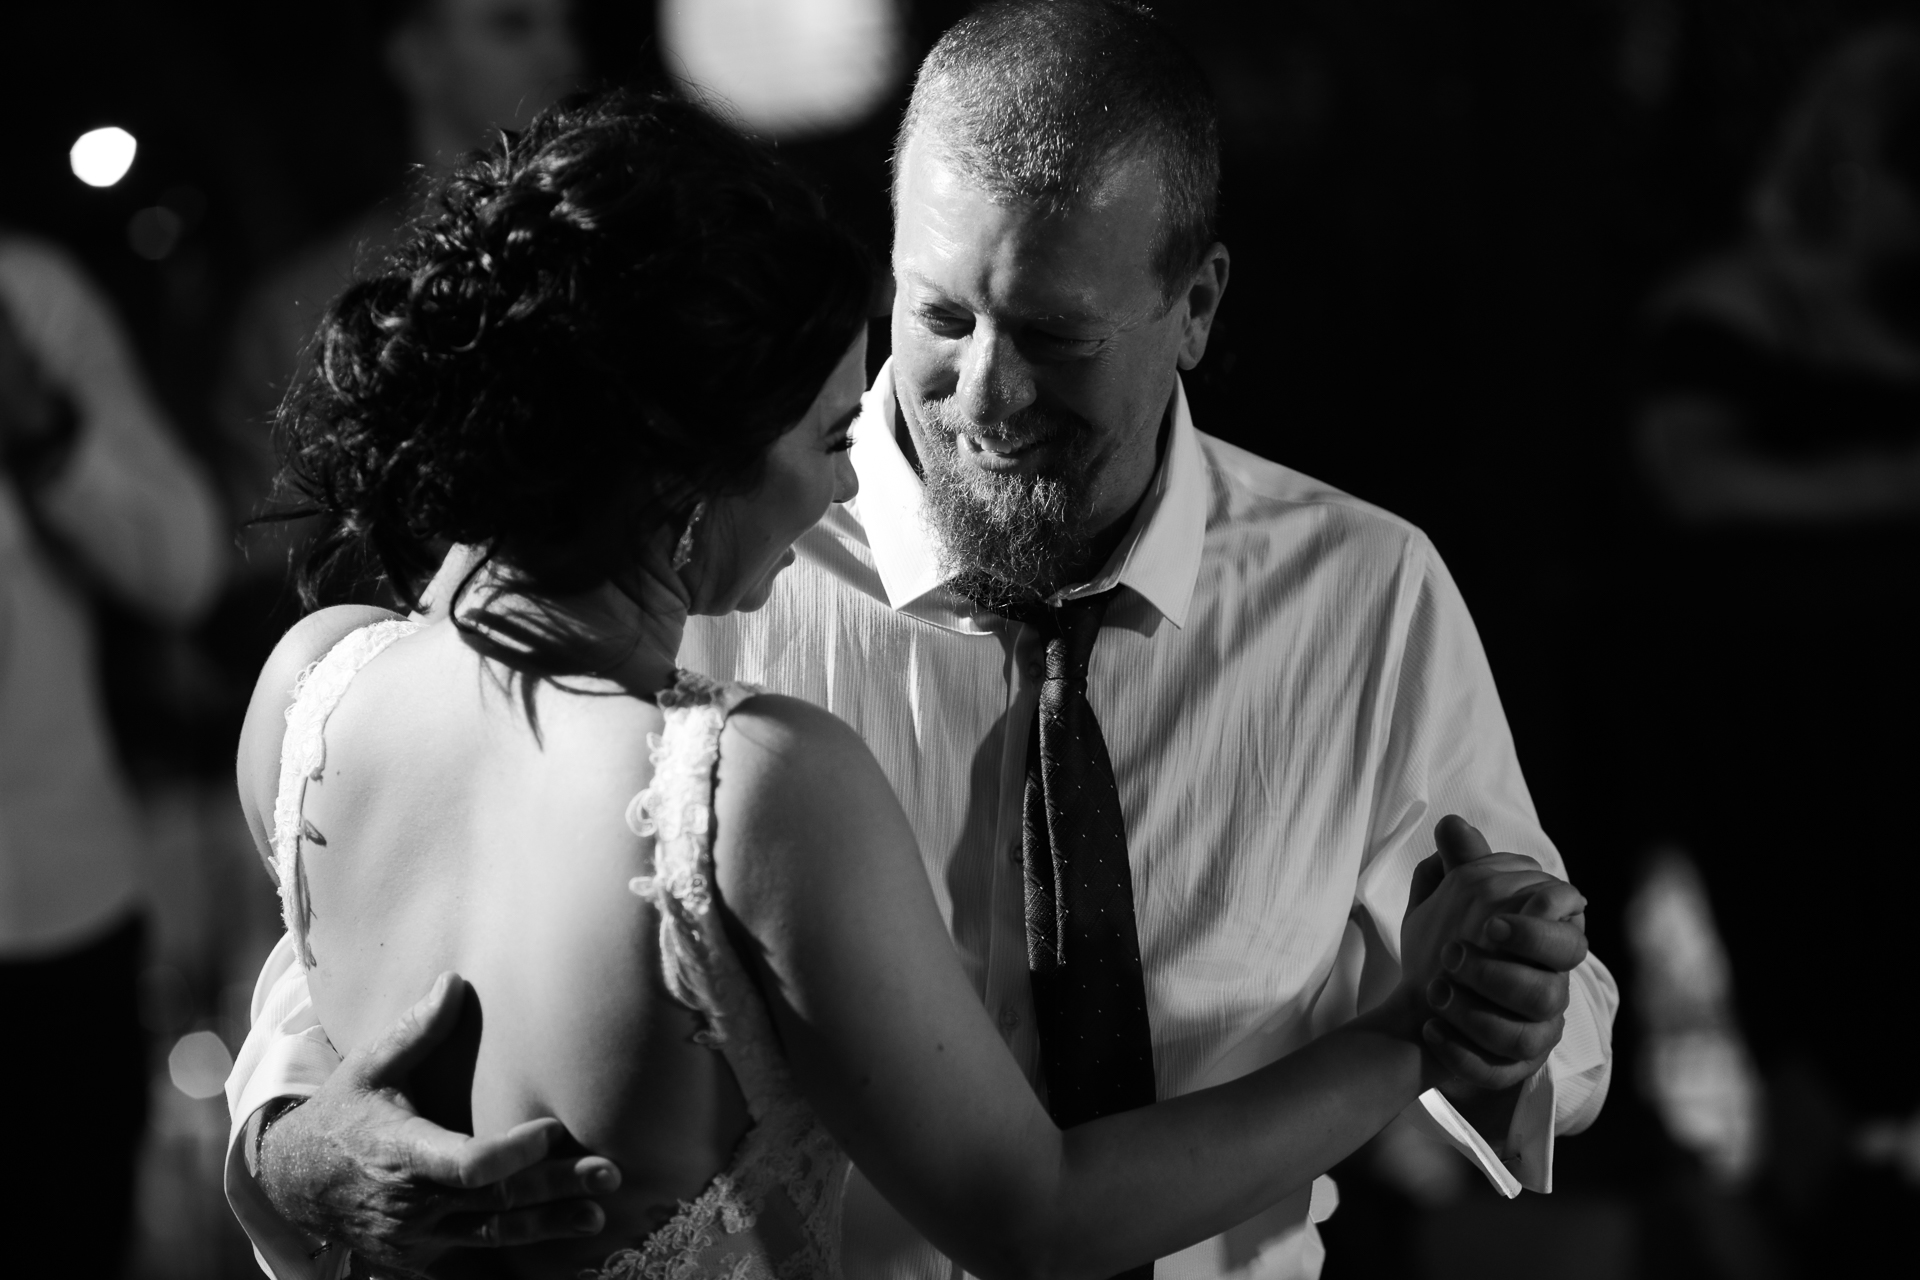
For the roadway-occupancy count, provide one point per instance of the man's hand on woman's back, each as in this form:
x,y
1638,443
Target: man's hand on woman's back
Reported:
x,y
356,1167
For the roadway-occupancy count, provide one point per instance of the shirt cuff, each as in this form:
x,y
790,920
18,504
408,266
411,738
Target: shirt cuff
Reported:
x,y
1583,1060
286,1053
1530,1134
1434,1116
1563,1096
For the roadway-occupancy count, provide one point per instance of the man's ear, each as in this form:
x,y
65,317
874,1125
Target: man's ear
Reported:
x,y
1204,291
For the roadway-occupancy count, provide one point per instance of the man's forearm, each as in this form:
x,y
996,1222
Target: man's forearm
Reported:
x,y
283,1250
253,1135
257,1137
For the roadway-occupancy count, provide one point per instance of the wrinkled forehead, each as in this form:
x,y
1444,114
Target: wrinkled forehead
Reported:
x,y
955,209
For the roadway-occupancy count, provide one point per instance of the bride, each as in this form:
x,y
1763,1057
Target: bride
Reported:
x,y
604,385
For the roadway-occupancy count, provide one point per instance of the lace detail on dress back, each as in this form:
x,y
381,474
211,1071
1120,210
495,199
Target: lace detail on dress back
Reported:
x,y
303,757
774,1212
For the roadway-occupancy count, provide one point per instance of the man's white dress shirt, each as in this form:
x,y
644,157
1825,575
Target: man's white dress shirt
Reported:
x,y
1293,695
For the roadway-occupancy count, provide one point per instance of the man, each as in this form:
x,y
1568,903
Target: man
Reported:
x,y
1283,692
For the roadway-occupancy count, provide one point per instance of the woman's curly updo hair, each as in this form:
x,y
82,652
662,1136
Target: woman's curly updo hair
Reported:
x,y
594,325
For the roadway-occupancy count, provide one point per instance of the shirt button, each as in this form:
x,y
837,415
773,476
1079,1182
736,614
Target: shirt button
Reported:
x,y
1009,1019
1036,669
1016,855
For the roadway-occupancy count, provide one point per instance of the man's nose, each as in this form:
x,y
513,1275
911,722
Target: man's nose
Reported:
x,y
995,381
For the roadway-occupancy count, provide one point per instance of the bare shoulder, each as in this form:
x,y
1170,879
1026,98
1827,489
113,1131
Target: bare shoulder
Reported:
x,y
773,730
308,640
781,750
798,779
257,769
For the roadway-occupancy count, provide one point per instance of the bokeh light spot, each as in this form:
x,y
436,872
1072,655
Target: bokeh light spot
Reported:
x,y
199,1064
101,157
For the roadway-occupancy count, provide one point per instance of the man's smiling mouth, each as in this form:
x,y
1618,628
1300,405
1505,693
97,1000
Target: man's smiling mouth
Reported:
x,y
994,454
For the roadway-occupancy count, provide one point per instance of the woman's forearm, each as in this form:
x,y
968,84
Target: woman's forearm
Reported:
x,y
1150,1182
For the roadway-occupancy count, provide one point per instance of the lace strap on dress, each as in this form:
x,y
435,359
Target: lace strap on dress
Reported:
x,y
774,1212
676,810
303,758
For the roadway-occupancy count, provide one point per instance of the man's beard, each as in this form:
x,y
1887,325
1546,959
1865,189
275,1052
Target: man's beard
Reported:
x,y
1008,540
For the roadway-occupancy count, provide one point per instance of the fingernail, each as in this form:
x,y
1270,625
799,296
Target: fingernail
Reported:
x,y
1498,930
604,1178
1439,993
1430,1031
1453,956
588,1219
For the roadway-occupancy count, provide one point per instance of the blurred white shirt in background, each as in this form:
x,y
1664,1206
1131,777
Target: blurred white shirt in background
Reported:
x,y
133,512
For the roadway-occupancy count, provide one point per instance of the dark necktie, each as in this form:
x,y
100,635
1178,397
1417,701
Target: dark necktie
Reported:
x,y
1083,950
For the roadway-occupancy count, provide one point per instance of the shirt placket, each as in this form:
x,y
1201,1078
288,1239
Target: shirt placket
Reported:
x,y
1009,992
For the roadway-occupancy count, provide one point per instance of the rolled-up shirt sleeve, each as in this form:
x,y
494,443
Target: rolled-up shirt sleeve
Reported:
x,y
286,1054
1447,749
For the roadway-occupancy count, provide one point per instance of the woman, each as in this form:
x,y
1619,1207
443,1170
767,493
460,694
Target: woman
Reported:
x,y
623,358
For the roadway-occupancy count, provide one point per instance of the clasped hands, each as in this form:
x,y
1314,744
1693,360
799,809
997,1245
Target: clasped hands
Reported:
x,y
1486,946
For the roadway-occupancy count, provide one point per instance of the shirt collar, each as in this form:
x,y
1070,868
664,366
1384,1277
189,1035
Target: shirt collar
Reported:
x,y
1159,558
892,503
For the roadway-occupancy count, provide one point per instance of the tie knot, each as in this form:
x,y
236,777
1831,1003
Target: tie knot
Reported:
x,y
1071,628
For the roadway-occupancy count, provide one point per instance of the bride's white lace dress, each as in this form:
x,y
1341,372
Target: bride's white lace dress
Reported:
x,y
774,1212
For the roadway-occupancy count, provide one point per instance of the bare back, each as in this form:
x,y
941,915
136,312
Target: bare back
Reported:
x,y
444,833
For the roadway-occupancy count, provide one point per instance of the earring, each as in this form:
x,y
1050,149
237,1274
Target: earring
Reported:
x,y
683,549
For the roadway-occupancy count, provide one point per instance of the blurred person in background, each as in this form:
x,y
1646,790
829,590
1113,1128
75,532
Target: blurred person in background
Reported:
x,y
1779,433
1786,373
95,496
464,68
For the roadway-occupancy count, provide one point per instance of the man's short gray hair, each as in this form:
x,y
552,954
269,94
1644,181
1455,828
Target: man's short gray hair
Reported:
x,y
1039,100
